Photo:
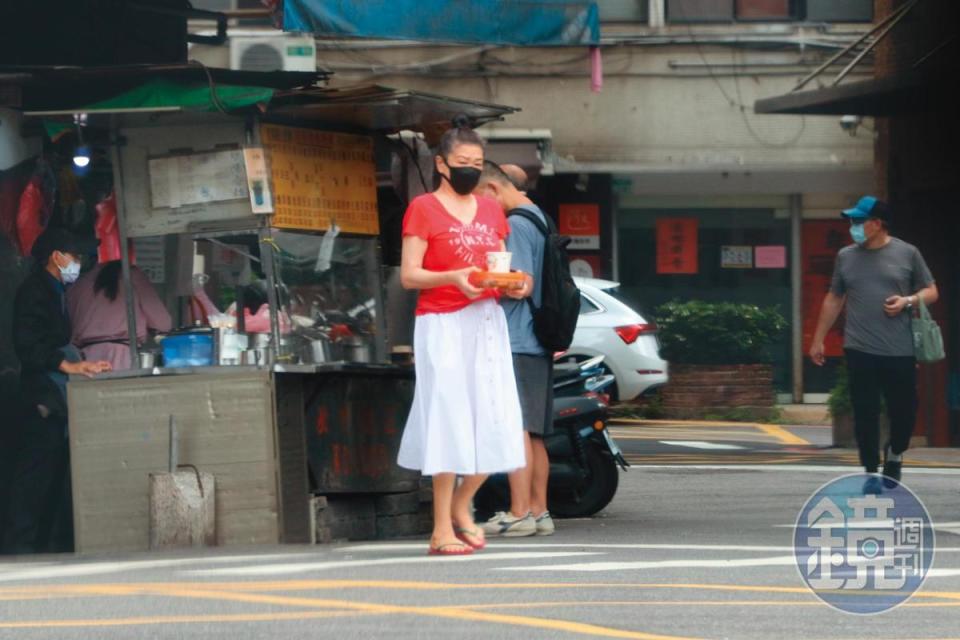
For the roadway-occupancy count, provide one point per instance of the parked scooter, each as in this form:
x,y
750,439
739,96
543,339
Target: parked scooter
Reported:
x,y
584,459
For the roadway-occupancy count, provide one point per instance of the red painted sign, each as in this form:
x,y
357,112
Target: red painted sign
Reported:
x,y
677,245
582,223
822,239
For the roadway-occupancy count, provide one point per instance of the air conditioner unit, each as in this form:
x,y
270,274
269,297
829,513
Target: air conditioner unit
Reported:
x,y
275,53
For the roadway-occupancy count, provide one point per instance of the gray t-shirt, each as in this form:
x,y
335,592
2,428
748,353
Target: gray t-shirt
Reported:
x,y
526,243
868,277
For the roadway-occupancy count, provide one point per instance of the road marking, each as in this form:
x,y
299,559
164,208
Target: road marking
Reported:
x,y
784,467
684,603
155,620
775,561
781,434
942,573
470,612
497,544
706,434
46,571
774,431
948,527
699,444
421,559
451,612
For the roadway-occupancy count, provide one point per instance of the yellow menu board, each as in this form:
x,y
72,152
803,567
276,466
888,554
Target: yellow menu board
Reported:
x,y
321,177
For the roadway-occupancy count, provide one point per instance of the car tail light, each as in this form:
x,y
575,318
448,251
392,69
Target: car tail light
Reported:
x,y
602,398
630,332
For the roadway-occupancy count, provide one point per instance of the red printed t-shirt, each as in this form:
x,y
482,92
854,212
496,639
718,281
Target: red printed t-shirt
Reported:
x,y
452,245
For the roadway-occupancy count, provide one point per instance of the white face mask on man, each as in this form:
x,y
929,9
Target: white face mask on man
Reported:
x,y
70,272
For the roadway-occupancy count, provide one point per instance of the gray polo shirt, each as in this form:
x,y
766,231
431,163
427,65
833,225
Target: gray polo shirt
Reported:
x,y
867,277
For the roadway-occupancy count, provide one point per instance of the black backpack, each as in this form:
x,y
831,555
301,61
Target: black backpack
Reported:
x,y
555,321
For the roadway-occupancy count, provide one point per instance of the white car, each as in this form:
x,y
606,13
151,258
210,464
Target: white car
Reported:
x,y
626,339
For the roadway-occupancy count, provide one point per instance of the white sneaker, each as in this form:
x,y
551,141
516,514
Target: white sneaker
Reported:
x,y
545,526
508,525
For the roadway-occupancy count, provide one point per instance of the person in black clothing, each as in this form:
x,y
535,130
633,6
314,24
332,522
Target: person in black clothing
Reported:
x,y
40,513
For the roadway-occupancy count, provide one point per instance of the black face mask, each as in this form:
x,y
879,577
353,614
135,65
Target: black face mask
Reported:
x,y
462,179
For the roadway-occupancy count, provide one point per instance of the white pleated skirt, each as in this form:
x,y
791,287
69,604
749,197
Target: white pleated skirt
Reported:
x,y
465,417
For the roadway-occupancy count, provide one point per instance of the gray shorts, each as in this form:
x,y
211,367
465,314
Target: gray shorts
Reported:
x,y
534,376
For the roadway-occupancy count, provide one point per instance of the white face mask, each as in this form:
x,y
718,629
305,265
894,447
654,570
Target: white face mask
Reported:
x,y
69,273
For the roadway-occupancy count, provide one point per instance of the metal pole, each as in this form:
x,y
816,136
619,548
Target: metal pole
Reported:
x,y
269,270
813,74
860,56
796,294
118,194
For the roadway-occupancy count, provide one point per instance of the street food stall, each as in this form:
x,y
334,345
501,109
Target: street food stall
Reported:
x,y
258,224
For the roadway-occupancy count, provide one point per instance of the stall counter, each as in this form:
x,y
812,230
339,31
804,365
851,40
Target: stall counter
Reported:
x,y
272,437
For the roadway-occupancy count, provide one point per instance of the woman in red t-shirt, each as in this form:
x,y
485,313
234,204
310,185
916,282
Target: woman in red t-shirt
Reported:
x,y
465,419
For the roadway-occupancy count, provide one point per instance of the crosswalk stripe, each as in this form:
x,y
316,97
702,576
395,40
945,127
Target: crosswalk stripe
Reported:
x,y
420,558
700,444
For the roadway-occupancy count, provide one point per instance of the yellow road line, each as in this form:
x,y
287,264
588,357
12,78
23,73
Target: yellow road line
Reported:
x,y
678,423
781,434
690,435
240,592
129,589
451,612
682,603
774,431
154,620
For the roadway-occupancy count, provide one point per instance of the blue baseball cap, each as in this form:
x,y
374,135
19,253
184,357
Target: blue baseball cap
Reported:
x,y
868,207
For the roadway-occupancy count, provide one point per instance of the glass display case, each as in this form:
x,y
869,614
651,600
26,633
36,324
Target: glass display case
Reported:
x,y
331,295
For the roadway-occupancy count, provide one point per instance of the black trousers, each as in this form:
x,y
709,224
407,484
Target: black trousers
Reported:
x,y
894,378
39,516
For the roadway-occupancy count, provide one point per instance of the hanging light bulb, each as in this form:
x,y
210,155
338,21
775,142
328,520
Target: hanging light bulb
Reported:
x,y
81,155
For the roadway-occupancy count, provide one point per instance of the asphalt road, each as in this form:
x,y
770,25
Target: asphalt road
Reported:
x,y
695,548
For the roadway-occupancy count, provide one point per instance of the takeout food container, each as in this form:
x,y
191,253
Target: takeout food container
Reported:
x,y
489,279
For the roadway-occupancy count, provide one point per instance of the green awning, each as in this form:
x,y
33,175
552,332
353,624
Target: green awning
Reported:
x,y
166,94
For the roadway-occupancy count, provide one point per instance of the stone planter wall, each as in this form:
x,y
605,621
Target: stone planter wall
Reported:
x,y
696,390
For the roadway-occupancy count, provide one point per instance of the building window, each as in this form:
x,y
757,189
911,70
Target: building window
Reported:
x,y
693,11
839,10
623,10
587,306
779,10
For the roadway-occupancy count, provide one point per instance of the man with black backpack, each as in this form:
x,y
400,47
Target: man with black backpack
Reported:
x,y
538,324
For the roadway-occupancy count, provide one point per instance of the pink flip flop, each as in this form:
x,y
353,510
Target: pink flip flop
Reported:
x,y
476,533
443,550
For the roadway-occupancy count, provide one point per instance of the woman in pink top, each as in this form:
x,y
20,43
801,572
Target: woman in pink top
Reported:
x,y
98,313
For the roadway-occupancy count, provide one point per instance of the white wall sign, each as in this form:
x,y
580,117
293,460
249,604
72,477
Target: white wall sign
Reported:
x,y
197,178
736,257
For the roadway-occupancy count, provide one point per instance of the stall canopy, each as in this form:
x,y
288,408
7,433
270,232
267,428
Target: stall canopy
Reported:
x,y
164,93
900,94
362,108
493,22
57,88
379,108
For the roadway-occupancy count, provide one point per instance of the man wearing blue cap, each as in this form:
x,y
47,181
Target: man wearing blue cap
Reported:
x,y
880,280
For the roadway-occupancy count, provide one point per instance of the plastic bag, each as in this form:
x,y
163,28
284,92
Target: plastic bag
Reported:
x,y
30,217
259,322
108,233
